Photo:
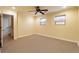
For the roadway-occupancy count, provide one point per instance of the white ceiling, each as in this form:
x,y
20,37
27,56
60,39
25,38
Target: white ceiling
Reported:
x,y
55,8
25,9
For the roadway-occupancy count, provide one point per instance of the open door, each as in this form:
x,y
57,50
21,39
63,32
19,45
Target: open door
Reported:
x,y
2,28
8,28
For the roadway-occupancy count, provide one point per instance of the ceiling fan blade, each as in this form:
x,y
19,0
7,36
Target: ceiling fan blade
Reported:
x,y
36,13
45,10
41,12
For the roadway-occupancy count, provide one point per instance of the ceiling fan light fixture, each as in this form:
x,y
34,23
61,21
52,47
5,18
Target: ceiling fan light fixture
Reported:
x,y
64,6
13,8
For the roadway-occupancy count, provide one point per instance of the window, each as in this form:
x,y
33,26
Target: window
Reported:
x,y
60,19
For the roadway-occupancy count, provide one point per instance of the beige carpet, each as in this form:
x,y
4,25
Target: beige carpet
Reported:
x,y
38,44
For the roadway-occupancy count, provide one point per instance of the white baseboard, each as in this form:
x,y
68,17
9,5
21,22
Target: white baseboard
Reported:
x,y
0,51
24,35
15,38
59,38
78,44
51,37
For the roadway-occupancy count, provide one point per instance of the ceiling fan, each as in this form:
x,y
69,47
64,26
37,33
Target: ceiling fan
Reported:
x,y
38,10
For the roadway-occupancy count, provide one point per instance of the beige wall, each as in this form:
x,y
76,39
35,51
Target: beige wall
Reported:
x,y
69,31
25,24
78,19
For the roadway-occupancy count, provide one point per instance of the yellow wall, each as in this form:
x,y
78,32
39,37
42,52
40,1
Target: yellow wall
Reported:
x,y
78,21
25,24
69,31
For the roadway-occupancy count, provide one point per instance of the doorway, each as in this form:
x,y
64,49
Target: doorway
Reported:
x,y
7,32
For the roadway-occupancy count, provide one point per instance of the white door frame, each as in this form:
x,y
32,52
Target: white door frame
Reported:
x,y
1,30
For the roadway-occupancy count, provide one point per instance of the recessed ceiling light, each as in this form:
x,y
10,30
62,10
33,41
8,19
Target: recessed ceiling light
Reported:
x,y
13,8
64,6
